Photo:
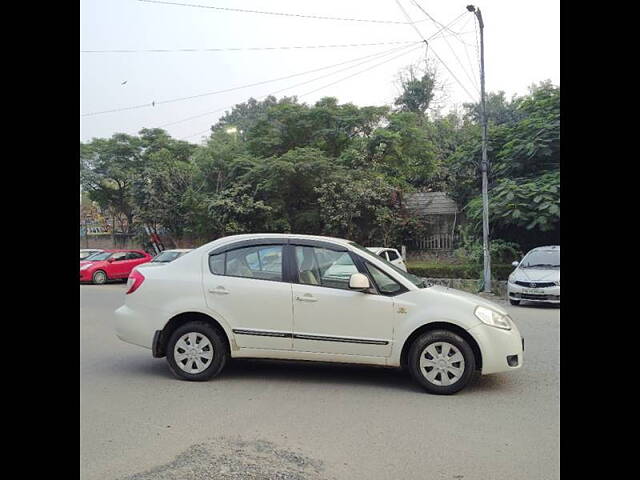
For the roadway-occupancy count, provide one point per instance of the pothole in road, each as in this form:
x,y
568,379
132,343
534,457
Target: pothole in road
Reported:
x,y
234,459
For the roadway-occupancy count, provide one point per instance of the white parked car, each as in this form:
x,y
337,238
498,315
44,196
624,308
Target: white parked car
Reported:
x,y
165,257
390,254
537,277
301,297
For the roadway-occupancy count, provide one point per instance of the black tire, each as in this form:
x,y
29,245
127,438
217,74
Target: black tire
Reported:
x,y
514,302
220,353
99,277
435,336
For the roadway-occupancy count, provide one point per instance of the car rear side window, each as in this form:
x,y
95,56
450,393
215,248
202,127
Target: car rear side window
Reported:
x,y
262,262
392,255
216,263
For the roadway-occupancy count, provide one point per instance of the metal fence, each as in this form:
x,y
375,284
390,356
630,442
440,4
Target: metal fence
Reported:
x,y
438,241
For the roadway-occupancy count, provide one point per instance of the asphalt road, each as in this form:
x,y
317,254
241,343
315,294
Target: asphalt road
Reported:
x,y
284,420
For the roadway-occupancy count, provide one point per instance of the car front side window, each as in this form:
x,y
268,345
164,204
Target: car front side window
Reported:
x,y
324,267
386,285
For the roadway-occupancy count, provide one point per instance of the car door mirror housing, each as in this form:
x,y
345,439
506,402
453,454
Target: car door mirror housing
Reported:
x,y
515,264
359,281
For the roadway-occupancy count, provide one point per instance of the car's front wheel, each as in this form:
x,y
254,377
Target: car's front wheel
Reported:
x,y
441,361
196,352
99,277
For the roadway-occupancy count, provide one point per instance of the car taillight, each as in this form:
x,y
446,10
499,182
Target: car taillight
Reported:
x,y
134,281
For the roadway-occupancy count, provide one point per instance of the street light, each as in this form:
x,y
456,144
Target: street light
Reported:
x,y
484,165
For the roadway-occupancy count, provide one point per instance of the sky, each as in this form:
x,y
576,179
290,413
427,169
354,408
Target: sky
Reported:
x,y
522,47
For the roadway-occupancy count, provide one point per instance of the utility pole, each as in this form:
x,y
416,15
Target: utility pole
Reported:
x,y
484,164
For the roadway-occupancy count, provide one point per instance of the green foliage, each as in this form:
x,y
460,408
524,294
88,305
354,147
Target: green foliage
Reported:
x,y
278,165
417,93
531,203
468,271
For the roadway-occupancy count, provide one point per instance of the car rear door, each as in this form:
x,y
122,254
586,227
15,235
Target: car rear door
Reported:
x,y
328,317
247,286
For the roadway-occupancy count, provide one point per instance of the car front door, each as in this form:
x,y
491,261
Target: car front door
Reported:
x,y
248,288
118,265
328,317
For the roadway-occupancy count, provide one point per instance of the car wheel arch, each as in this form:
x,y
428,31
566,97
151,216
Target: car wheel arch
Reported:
x,y
161,340
441,325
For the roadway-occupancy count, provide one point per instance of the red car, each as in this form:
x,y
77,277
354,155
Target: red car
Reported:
x,y
111,265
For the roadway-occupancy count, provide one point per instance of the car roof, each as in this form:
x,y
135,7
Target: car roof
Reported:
x,y
258,236
547,247
177,250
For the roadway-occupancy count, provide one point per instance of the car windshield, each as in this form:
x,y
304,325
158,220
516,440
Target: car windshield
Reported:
x,y
542,259
99,256
417,281
166,257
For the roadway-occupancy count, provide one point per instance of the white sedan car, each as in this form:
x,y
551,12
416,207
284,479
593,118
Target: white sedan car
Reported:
x,y
390,254
165,257
300,297
537,277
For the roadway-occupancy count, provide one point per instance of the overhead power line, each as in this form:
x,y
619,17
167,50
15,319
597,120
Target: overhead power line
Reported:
x,y
179,99
332,83
280,14
238,49
211,112
434,52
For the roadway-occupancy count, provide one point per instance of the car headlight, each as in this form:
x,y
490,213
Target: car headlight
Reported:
x,y
84,267
492,318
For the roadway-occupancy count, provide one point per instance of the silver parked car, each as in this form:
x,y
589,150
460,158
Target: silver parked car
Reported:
x,y
537,277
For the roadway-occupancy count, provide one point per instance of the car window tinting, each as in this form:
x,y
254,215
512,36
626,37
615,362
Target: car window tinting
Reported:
x,y
263,262
324,267
100,256
216,263
542,259
392,255
385,284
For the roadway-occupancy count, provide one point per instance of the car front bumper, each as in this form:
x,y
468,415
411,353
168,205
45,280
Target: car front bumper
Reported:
x,y
86,275
547,295
501,350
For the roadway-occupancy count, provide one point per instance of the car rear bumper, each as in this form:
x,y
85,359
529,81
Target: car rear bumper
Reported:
x,y
132,328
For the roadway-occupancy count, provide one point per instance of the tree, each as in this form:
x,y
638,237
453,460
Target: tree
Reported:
x,y
417,90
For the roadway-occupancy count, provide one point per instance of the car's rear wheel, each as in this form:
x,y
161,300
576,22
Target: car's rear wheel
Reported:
x,y
441,361
514,302
196,352
99,277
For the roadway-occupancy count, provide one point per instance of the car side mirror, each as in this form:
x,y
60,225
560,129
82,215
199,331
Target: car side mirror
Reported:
x,y
111,259
515,264
359,281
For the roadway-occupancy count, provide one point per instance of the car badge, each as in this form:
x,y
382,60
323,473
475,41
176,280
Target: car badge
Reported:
x,y
402,310
532,285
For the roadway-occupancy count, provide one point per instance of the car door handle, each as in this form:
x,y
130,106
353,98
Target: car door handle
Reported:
x,y
219,291
307,298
